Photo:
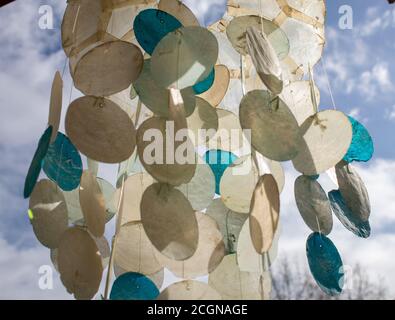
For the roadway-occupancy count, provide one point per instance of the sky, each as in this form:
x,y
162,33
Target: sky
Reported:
x,y
361,77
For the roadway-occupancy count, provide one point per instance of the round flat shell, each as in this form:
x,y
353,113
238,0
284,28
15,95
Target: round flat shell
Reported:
x,y
208,255
361,148
156,278
35,165
55,105
353,190
134,251
313,205
189,290
180,11
326,137
217,91
264,213
134,188
100,129
229,223
151,26
233,284
153,140
274,130
93,204
133,286
108,68
63,164
169,221
156,98
80,263
325,264
180,60
48,213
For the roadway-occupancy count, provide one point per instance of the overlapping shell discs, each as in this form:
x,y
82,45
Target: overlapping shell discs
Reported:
x,y
198,120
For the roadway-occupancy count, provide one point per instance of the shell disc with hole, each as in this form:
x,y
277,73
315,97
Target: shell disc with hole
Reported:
x,y
274,130
229,223
100,129
326,137
180,11
169,221
353,190
313,205
264,59
208,255
237,31
135,252
216,93
264,213
93,204
151,26
74,210
219,161
189,290
48,213
325,264
154,140
63,164
35,165
200,190
361,148
108,68
180,60
134,188
80,263
133,286
352,223
156,278
233,284
55,105
156,98
248,259
203,123
238,183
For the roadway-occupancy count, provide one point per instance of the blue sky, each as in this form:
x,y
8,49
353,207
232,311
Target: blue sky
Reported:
x,y
361,74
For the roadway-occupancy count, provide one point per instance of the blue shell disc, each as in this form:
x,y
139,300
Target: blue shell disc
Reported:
x,y
35,165
63,163
206,84
133,286
219,161
361,148
347,218
151,25
325,263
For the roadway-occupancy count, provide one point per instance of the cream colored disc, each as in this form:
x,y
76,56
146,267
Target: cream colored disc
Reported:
x,y
93,204
208,255
180,11
189,290
48,213
217,92
80,263
169,221
100,129
55,105
326,138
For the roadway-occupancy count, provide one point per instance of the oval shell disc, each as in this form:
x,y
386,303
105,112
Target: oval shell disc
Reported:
x,y
80,263
180,60
326,138
169,221
107,69
92,204
313,205
48,213
180,11
189,290
55,105
100,129
209,253
218,90
133,286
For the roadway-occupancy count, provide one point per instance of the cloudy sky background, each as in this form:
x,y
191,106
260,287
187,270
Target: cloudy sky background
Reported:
x,y
360,68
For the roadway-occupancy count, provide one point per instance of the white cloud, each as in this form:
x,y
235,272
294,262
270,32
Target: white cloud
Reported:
x,y
377,21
